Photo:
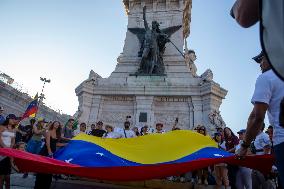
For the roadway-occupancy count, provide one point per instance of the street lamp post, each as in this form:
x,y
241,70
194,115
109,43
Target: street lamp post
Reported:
x,y
41,97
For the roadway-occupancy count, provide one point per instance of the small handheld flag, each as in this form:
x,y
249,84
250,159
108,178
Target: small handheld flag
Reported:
x,y
32,108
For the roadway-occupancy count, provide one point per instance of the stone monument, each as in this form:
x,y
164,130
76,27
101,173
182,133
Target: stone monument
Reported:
x,y
154,80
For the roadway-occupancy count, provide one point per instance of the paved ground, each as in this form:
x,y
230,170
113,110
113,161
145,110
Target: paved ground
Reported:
x,y
17,182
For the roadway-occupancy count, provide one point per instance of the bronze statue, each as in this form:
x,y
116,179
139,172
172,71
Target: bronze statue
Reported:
x,y
153,43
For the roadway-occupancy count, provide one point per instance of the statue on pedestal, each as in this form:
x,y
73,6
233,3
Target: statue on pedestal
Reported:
x,y
153,43
190,57
216,119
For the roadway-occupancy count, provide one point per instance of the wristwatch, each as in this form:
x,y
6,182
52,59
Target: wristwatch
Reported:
x,y
244,144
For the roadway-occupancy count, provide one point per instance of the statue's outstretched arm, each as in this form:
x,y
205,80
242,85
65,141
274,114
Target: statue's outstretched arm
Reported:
x,y
144,19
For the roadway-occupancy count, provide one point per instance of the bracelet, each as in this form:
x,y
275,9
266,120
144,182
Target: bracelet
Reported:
x,y
245,145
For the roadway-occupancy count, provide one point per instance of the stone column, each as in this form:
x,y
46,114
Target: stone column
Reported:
x,y
95,109
89,107
144,105
197,110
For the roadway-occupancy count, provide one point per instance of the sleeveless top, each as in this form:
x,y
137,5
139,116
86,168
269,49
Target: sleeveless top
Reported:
x,y
6,137
44,150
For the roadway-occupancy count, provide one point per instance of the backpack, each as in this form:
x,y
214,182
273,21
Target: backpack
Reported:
x,y
272,34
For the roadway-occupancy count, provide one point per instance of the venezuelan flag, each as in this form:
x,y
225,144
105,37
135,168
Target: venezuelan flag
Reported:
x,y
31,109
141,158
168,148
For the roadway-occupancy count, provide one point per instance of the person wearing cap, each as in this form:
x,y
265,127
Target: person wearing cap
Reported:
x,y
271,18
268,93
2,118
7,140
98,131
244,177
29,130
35,143
110,132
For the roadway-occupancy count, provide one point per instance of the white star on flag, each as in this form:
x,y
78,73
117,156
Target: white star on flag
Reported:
x,y
69,160
218,155
101,154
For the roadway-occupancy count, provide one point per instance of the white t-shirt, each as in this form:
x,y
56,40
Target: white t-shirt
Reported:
x,y
112,135
261,140
269,89
161,132
77,132
128,133
6,137
238,147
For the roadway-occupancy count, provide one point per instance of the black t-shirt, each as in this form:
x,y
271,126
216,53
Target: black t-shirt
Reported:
x,y
98,132
24,138
28,129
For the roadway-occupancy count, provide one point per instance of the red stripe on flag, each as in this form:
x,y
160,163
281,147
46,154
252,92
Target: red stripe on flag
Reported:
x,y
30,111
42,164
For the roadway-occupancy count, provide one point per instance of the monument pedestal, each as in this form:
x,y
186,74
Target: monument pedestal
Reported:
x,y
149,99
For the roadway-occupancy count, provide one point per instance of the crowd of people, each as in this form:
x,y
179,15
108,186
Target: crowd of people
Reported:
x,y
44,138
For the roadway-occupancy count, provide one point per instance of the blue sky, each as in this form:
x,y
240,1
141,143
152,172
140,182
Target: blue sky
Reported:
x,y
63,40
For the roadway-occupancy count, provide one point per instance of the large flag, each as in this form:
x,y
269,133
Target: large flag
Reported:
x,y
32,108
130,159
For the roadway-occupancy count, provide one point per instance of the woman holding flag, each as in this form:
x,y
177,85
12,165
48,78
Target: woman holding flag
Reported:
x,y
35,143
52,139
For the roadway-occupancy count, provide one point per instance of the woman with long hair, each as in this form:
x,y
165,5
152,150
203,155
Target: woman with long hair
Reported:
x,y
231,140
221,171
202,173
7,140
52,137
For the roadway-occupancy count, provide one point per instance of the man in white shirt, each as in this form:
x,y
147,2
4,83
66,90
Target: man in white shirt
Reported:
x,y
243,177
127,132
261,145
82,129
268,94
